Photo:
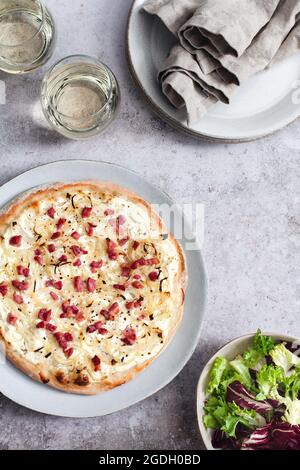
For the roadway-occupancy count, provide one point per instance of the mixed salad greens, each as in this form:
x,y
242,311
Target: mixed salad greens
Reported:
x,y
253,402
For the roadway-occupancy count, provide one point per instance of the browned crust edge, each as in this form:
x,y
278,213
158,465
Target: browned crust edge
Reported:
x,y
34,371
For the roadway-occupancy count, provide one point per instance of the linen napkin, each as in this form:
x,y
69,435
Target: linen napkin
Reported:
x,y
220,44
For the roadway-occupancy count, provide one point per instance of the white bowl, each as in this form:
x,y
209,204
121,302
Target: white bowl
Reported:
x,y
229,351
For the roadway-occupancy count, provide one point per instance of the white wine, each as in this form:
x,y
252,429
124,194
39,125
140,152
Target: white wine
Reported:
x,y
80,97
27,36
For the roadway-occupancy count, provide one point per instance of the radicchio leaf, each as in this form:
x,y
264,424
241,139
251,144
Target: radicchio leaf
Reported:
x,y
286,436
259,437
237,393
220,440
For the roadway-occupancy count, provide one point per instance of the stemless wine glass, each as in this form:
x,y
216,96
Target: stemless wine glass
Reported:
x,y
27,35
80,96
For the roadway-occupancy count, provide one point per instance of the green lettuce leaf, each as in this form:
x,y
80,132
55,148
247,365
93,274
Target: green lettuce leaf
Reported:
x,y
292,385
252,358
219,366
292,413
240,367
268,379
226,416
284,358
263,344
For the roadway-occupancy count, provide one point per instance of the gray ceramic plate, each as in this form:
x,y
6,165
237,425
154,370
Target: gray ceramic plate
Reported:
x,y
21,389
264,104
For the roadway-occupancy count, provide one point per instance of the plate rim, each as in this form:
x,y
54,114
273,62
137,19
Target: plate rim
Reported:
x,y
172,121
169,378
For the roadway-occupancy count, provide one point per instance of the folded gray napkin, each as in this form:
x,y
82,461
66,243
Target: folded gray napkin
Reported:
x,y
220,44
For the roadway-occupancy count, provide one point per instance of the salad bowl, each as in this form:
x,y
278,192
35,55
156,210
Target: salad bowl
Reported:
x,y
229,352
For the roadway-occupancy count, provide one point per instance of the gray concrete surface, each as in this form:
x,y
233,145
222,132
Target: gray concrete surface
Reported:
x,y
251,193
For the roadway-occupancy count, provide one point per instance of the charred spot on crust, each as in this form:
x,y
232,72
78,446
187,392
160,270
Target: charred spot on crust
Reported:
x,y
44,379
60,377
183,296
82,380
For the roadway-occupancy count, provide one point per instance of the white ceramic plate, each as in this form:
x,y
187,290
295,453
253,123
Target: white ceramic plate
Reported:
x,y
262,106
230,351
21,389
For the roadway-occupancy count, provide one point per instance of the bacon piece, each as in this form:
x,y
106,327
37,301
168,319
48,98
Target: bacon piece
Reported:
x,y
90,229
3,289
69,309
20,285
40,325
105,313
123,241
44,314
75,235
77,250
38,259
133,304
108,212
98,326
56,235
23,271
97,363
153,276
60,223
51,248
144,262
51,212
119,287
120,220
111,249
11,319
112,311
91,329
86,212
78,284
51,327
63,258
91,284
95,265
135,245
56,284
80,317
54,295
16,240
18,298
141,317
68,337
129,336
77,262
69,352
137,284
125,271
137,277
60,338
38,252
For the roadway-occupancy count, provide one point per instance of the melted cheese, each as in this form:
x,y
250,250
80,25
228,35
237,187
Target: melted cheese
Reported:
x,y
38,346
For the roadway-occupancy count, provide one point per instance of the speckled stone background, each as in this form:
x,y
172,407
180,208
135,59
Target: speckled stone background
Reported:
x,y
252,197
